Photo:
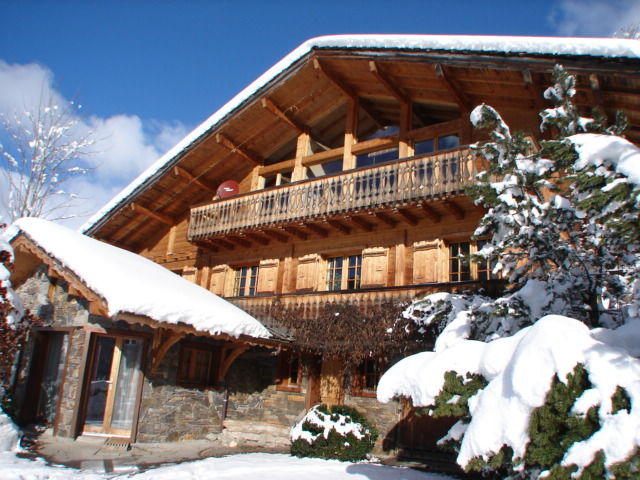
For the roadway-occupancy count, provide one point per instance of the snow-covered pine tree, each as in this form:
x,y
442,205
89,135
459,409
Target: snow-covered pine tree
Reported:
x,y
561,229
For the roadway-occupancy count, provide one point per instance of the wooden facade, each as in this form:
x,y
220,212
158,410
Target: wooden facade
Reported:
x,y
351,165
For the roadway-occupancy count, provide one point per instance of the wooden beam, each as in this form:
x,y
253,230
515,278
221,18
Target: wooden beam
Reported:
x,y
281,237
454,209
233,148
339,226
239,240
316,229
445,79
346,90
223,243
362,223
383,217
229,355
181,172
258,238
207,245
391,87
164,347
273,108
430,213
407,216
135,207
296,232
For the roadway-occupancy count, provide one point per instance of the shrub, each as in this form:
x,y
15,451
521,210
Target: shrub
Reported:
x,y
338,432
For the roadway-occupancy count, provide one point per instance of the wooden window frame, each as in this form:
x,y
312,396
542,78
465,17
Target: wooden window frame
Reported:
x,y
285,362
359,378
474,270
189,349
245,273
345,269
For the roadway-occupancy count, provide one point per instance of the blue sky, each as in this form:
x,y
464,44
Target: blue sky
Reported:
x,y
147,72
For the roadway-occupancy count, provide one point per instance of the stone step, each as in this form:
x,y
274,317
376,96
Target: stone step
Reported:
x,y
239,433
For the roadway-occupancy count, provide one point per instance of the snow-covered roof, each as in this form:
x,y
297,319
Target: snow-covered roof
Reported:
x,y
553,46
131,284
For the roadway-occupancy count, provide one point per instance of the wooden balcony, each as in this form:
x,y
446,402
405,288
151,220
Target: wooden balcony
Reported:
x,y
391,185
310,303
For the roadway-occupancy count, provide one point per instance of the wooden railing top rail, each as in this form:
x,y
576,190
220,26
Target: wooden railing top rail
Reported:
x,y
393,183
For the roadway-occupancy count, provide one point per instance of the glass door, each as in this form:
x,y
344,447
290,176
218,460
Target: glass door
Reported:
x,y
113,385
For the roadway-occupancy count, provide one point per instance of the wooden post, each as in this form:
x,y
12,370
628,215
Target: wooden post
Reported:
x,y
404,148
350,134
303,149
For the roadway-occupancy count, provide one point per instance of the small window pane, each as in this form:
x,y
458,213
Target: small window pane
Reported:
x,y
448,141
327,168
424,147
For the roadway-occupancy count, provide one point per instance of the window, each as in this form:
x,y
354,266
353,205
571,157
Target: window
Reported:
x,y
245,281
196,366
379,156
459,265
366,378
326,168
431,145
289,372
344,273
485,268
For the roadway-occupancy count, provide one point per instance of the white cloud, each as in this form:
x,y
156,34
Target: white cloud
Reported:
x,y
126,144
594,18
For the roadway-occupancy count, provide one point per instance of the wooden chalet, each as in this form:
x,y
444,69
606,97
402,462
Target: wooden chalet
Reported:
x,y
348,163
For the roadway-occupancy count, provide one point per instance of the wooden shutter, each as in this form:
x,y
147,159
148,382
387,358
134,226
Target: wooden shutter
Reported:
x,y
307,273
218,277
268,276
375,269
427,263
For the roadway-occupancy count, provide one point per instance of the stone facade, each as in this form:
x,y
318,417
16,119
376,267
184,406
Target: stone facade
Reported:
x,y
257,412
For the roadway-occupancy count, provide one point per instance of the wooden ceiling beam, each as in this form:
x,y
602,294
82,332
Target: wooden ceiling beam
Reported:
x,y
391,87
223,243
279,236
299,127
446,80
296,232
454,209
383,217
346,90
323,232
137,208
207,245
361,223
407,216
233,148
239,240
339,226
430,213
258,238
182,173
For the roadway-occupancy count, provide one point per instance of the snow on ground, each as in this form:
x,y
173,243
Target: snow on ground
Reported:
x,y
520,370
255,465
130,283
556,46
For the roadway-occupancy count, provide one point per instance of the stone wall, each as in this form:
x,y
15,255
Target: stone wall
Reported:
x,y
171,412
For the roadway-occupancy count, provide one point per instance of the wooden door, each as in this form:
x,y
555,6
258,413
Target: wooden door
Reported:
x,y
113,385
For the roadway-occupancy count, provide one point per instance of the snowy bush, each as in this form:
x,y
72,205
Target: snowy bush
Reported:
x,y
338,432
